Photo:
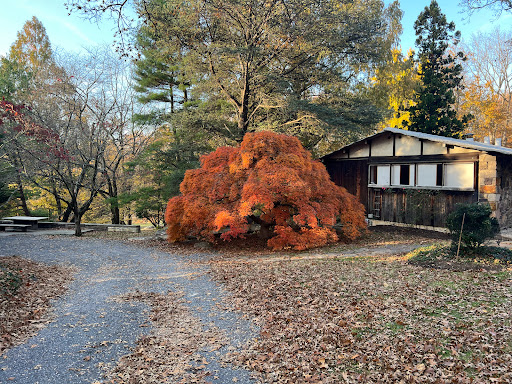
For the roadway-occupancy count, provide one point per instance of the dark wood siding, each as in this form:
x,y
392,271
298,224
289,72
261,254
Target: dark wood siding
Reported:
x,y
352,175
409,205
418,207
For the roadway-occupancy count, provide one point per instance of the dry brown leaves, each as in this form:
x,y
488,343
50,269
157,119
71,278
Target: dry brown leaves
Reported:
x,y
373,321
376,237
26,312
170,353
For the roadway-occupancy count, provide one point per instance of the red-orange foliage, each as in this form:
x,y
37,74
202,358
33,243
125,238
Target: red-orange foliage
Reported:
x,y
271,180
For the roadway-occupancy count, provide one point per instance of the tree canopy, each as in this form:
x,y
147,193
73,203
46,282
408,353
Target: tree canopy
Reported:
x,y
290,66
269,180
440,76
32,46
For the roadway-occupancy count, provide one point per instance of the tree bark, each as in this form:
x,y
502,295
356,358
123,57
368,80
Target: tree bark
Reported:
x,y
57,201
67,213
115,216
23,199
78,223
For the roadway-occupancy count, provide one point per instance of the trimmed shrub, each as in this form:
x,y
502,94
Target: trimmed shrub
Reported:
x,y
479,226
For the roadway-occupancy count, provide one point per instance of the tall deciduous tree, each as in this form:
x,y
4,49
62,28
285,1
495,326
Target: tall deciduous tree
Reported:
x,y
394,87
288,65
32,46
14,81
270,180
488,95
29,61
19,133
440,75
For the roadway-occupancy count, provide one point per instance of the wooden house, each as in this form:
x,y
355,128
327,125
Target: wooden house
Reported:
x,y
416,178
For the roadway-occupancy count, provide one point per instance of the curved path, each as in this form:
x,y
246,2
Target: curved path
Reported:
x,y
91,330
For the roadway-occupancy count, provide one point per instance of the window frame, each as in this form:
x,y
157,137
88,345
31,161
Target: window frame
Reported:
x,y
440,177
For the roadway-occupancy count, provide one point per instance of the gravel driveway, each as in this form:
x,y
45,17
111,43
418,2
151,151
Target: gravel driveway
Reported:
x,y
92,330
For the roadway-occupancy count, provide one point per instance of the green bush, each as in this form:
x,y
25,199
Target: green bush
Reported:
x,y
10,281
478,224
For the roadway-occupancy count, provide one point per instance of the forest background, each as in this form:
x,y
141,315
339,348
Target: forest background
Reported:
x,y
106,135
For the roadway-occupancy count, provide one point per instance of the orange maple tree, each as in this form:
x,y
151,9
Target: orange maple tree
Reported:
x,y
269,180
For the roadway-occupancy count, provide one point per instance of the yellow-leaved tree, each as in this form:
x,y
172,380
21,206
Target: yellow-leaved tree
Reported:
x,y
395,85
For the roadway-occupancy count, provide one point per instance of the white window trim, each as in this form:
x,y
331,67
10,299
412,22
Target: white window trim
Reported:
x,y
414,175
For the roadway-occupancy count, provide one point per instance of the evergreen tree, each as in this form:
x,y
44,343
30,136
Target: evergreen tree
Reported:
x,y
440,76
157,76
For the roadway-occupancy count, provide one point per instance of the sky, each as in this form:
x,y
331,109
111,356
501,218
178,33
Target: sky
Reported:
x,y
71,33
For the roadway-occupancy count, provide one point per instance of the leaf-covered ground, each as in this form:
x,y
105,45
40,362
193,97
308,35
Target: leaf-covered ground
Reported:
x,y
361,319
372,320
26,291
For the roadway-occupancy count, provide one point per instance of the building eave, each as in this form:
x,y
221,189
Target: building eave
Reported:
x,y
435,138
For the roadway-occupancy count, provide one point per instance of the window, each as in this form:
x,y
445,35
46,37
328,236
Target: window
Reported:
x,y
428,175
380,174
459,175
439,175
456,175
373,174
405,174
402,174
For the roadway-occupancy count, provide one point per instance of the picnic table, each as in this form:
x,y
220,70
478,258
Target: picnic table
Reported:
x,y
22,222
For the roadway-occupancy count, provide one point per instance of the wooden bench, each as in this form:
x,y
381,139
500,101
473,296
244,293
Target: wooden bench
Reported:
x,y
23,227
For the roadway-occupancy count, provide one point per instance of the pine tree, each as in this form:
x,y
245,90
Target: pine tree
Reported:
x,y
440,76
157,75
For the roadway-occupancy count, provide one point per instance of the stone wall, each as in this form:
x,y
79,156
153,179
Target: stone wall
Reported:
x,y
504,183
488,181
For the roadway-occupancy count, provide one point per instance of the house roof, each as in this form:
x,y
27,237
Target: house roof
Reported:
x,y
440,139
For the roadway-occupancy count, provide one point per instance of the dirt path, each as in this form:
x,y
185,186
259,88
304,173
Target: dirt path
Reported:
x,y
95,325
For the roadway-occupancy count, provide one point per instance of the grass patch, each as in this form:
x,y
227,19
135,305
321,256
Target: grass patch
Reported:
x,y
445,257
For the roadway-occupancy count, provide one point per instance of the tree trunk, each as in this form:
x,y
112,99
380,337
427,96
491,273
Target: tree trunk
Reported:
x,y
115,215
23,199
114,205
265,232
67,213
243,115
78,224
57,201
243,108
171,94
